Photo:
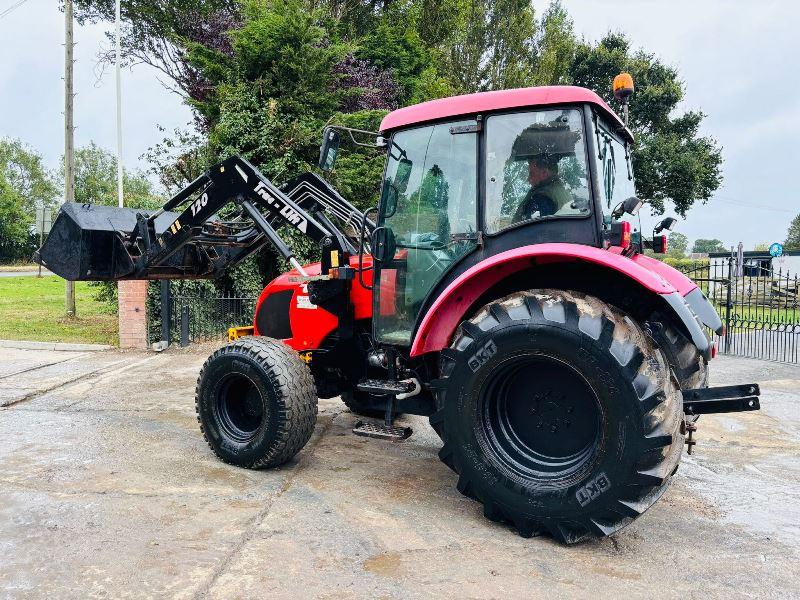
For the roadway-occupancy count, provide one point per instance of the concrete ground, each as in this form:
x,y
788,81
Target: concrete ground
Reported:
x,y
108,490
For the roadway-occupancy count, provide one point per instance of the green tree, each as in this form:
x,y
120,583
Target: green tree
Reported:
x,y
671,160
282,48
25,185
707,246
15,231
25,172
394,45
677,244
492,45
554,44
792,241
284,87
96,181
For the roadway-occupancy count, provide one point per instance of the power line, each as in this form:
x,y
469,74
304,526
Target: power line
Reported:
x,y
745,204
12,7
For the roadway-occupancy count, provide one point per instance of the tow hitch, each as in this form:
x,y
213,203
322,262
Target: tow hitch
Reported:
x,y
723,399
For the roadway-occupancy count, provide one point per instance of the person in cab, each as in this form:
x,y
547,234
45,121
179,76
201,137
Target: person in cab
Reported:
x,y
548,193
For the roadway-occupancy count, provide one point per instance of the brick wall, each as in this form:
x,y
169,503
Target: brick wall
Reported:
x,y
132,314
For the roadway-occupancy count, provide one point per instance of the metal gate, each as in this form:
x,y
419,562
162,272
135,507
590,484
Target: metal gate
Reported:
x,y
758,305
195,318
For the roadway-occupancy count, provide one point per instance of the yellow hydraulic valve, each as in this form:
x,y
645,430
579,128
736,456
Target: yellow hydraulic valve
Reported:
x,y
234,333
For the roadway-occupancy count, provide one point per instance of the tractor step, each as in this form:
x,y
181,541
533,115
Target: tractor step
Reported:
x,y
382,387
381,431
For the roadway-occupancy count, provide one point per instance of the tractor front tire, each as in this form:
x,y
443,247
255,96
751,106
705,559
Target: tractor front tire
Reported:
x,y
558,414
256,403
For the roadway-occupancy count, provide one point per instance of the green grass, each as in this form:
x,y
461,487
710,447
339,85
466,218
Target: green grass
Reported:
x,y
763,314
33,309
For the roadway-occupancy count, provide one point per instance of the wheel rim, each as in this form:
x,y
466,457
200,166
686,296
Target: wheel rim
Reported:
x,y
239,407
541,420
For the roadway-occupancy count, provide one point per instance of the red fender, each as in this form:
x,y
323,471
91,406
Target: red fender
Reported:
x,y
448,310
678,280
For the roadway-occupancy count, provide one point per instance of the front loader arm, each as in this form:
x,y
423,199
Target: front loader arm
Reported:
x,y
237,181
91,242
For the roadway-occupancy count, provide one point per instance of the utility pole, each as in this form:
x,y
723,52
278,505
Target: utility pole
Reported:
x,y
69,134
119,109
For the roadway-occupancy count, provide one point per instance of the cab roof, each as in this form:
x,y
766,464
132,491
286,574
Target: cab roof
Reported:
x,y
482,102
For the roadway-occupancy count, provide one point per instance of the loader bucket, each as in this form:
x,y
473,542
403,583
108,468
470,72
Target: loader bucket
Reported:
x,y
86,242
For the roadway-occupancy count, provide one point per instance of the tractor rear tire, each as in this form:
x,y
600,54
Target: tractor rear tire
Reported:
x,y
256,403
688,365
558,414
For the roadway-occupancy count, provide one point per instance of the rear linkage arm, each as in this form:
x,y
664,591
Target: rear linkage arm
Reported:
x,y
722,399
233,180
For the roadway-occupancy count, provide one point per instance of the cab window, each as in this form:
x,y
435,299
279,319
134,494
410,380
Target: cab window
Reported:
x,y
428,202
535,167
615,170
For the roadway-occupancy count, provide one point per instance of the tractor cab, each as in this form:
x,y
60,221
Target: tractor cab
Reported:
x,y
472,176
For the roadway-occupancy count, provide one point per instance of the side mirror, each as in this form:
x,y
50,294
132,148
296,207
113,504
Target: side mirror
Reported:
x,y
329,148
668,224
383,244
631,206
390,200
404,168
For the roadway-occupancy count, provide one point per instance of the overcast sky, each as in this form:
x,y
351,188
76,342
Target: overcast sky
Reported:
x,y
739,60
32,88
739,63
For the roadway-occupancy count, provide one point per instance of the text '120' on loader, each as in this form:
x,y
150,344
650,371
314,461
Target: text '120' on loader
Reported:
x,y
497,290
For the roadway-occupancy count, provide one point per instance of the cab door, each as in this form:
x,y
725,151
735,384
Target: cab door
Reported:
x,y
429,208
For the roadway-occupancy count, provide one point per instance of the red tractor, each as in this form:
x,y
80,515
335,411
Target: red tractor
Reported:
x,y
497,290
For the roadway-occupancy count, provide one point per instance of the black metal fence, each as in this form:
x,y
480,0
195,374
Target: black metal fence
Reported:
x,y
757,304
199,318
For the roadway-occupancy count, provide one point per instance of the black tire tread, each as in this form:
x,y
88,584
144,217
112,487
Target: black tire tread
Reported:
x,y
689,366
292,380
645,365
